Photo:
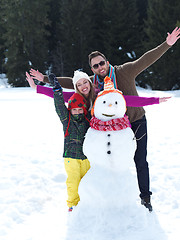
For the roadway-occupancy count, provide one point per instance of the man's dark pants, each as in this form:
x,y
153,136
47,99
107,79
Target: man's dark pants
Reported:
x,y
139,128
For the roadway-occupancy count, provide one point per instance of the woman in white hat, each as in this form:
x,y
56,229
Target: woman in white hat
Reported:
x,y
84,86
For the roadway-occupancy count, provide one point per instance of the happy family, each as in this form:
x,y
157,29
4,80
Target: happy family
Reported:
x,y
76,117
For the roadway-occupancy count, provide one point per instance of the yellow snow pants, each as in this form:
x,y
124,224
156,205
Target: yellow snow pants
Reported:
x,y
75,169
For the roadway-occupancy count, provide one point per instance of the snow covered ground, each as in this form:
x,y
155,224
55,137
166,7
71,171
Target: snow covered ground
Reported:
x,y
32,175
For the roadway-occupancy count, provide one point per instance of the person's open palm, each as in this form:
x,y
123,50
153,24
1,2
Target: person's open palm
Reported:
x,y
35,74
30,81
173,37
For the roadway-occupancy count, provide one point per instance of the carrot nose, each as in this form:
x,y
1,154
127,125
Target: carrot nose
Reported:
x,y
110,105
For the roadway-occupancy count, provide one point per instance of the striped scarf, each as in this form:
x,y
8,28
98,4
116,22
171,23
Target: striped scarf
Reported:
x,y
111,125
112,75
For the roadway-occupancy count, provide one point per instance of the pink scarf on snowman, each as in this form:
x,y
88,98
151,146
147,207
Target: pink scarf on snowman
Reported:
x,y
111,125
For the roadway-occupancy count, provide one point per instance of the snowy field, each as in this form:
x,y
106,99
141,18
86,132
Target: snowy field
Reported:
x,y
32,175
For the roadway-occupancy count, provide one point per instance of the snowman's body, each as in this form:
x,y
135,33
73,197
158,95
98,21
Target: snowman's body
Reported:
x,y
110,149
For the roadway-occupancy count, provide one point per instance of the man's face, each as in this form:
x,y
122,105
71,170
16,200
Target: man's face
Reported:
x,y
99,66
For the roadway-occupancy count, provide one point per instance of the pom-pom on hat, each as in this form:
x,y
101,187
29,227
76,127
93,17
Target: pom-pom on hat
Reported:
x,y
76,101
79,75
108,88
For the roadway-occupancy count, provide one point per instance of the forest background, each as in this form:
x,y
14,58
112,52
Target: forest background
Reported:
x,y
57,36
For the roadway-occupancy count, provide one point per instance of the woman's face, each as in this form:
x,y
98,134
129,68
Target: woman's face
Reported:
x,y
83,85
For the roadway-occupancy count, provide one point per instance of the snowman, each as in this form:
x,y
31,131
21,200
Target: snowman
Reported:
x,y
110,147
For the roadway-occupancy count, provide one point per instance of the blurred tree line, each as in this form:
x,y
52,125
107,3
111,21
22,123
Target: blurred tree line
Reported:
x,y
57,36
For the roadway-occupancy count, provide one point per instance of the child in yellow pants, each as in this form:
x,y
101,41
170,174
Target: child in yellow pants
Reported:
x,y
75,169
75,119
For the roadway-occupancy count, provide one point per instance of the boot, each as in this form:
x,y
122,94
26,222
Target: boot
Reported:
x,y
147,203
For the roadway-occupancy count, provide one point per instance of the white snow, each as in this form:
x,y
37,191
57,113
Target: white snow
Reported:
x,y
32,176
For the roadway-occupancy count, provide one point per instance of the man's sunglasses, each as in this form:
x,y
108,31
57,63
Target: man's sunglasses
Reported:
x,y
101,63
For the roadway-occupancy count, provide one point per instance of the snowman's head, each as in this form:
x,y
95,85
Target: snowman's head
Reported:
x,y
110,103
110,106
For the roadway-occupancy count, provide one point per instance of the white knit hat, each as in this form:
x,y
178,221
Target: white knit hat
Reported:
x,y
78,75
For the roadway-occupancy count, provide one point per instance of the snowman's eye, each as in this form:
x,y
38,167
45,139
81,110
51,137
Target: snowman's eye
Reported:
x,y
104,101
116,102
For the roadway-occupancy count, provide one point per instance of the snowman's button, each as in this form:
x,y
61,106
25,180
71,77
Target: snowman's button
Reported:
x,y
108,152
108,143
109,135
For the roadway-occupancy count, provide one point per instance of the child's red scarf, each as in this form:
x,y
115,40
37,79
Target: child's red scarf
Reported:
x,y
112,125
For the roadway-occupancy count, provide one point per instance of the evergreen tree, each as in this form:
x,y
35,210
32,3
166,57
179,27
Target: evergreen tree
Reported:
x,y
54,58
163,16
98,27
74,34
25,37
2,48
85,26
121,31
142,13
142,10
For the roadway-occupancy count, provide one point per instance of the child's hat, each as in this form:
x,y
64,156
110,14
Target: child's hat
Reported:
x,y
79,75
108,88
77,101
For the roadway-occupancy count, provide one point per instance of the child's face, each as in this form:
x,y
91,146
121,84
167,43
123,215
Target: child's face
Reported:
x,y
75,111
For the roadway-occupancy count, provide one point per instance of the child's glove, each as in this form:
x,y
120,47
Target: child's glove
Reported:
x,y
54,82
